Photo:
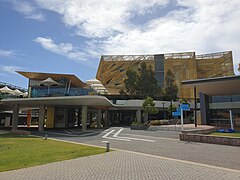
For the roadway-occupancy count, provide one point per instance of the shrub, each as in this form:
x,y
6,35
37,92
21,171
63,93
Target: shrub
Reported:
x,y
158,122
139,126
93,125
137,123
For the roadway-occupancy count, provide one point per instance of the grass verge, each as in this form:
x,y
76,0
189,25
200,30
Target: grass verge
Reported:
x,y
20,151
226,134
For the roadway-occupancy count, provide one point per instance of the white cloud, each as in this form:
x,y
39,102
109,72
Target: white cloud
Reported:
x,y
7,53
10,69
190,25
65,49
94,18
28,9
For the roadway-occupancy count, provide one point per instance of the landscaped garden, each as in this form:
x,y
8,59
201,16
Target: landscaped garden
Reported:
x,y
20,151
236,134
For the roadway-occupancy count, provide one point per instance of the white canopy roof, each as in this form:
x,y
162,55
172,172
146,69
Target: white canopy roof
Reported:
x,y
17,92
96,85
49,81
5,89
93,81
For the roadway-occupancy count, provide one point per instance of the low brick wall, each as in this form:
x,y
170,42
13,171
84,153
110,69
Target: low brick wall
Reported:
x,y
21,132
200,136
200,131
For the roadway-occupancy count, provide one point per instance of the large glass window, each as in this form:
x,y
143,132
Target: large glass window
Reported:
x,y
219,116
218,99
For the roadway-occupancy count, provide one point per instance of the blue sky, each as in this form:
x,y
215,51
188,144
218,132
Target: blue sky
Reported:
x,y
70,36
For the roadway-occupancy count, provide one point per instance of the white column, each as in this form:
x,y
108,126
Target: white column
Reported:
x,y
105,118
15,117
41,117
138,114
145,117
84,117
231,119
99,116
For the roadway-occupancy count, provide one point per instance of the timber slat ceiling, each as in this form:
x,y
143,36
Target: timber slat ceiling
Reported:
x,y
75,81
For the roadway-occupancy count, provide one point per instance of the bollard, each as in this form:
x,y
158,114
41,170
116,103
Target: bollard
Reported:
x,y
107,146
46,136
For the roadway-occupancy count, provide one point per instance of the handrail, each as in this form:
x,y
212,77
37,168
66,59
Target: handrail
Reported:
x,y
177,124
217,124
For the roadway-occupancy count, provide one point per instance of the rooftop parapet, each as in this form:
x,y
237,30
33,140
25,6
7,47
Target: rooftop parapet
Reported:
x,y
213,55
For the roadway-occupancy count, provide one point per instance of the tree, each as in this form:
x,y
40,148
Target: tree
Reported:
x,y
149,108
131,84
171,108
142,83
147,82
170,88
184,101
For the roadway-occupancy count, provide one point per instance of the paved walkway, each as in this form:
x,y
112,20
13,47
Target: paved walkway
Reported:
x,y
122,165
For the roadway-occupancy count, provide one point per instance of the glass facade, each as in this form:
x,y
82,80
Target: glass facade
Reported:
x,y
218,99
159,69
44,91
218,112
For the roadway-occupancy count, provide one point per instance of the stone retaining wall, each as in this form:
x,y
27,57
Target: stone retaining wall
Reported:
x,y
200,136
200,131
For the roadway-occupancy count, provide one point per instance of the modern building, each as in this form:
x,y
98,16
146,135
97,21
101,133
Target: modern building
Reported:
x,y
49,84
63,100
185,66
97,86
219,99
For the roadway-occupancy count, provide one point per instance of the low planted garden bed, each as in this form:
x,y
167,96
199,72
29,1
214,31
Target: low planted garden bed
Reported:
x,y
211,136
138,126
234,135
158,122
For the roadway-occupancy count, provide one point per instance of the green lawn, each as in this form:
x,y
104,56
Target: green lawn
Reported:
x,y
226,134
20,151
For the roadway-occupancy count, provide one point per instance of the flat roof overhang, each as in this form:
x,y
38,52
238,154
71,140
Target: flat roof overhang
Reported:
x,y
59,101
41,76
228,85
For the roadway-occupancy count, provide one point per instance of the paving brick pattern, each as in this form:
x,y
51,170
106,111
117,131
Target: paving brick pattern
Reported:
x,y
120,165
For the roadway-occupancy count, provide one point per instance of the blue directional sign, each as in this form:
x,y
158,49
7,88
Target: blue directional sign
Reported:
x,y
177,113
178,109
185,107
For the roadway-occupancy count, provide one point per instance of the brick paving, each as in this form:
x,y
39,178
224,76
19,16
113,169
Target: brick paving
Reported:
x,y
212,154
121,165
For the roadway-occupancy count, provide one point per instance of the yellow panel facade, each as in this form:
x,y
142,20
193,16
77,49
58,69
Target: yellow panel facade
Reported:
x,y
112,73
215,65
185,66
183,69
50,117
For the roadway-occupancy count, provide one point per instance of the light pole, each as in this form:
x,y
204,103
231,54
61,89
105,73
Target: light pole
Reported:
x,y
171,108
163,110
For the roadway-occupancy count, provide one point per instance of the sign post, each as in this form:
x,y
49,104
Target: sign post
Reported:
x,y
181,119
179,112
184,107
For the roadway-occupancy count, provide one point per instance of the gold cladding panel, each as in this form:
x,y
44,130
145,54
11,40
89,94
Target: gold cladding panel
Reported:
x,y
217,67
183,69
113,73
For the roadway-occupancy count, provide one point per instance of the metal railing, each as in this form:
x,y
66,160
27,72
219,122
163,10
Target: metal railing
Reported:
x,y
12,86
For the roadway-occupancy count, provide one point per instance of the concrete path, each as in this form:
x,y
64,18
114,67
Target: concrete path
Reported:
x,y
162,143
122,165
